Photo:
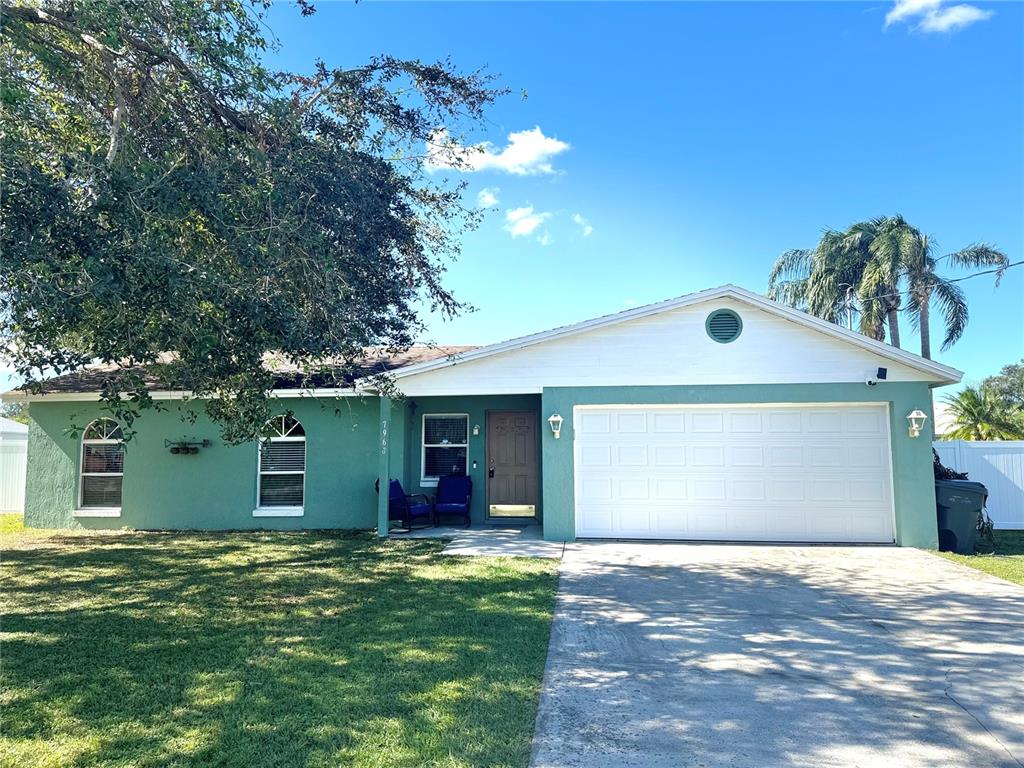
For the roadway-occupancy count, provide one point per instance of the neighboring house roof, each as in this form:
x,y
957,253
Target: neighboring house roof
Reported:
x,y
11,427
940,373
376,361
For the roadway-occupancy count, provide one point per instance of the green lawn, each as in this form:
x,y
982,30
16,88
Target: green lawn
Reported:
x,y
1007,561
266,649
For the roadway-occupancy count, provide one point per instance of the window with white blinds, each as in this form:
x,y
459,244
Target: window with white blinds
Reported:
x,y
445,445
102,467
282,474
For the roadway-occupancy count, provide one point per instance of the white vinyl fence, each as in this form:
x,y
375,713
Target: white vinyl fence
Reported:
x,y
999,465
13,455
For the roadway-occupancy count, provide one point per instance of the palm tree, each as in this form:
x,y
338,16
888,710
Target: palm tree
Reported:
x,y
878,292
880,259
980,414
822,281
902,255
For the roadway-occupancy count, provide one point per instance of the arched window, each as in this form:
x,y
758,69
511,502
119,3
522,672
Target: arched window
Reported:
x,y
282,472
102,469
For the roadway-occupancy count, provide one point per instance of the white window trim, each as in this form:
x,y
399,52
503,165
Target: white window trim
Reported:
x,y
431,482
80,510
280,511
96,512
262,511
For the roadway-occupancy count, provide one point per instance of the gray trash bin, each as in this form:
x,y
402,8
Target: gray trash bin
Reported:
x,y
959,504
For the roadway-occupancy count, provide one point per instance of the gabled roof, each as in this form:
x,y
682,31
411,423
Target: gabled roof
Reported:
x,y
942,373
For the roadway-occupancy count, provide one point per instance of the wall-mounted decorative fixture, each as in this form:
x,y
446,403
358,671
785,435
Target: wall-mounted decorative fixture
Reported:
x,y
556,424
476,430
186,447
916,419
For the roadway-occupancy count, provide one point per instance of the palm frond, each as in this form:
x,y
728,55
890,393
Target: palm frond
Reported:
x,y
788,280
953,305
979,255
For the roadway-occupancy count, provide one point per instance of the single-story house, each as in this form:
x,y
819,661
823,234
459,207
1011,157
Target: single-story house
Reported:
x,y
719,415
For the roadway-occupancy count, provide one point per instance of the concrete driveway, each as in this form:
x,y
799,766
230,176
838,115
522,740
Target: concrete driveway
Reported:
x,y
694,655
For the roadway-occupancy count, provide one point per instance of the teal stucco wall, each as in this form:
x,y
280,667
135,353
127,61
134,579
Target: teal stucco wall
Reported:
x,y
913,486
411,412
216,488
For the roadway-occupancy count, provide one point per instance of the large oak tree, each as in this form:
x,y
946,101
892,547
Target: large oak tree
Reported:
x,y
163,192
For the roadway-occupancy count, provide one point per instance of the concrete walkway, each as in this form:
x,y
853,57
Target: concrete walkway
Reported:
x,y
761,656
491,541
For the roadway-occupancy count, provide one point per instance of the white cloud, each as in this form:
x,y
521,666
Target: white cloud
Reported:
x,y
584,225
520,222
545,238
487,197
956,17
528,153
935,15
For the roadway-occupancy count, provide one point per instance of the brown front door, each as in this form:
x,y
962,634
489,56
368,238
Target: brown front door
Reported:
x,y
512,463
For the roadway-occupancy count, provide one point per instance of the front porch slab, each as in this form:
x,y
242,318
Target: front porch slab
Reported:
x,y
488,541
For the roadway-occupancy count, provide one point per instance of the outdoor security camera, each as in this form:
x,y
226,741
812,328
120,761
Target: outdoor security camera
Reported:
x,y
871,382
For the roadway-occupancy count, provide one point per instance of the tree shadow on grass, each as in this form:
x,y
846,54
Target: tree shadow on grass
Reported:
x,y
270,649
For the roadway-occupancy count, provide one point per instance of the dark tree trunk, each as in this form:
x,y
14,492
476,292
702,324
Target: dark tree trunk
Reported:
x,y
893,318
924,323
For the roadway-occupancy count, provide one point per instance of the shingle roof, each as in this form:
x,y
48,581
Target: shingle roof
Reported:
x,y
376,361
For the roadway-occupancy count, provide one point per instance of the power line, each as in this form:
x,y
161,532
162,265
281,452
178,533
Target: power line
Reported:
x,y
950,280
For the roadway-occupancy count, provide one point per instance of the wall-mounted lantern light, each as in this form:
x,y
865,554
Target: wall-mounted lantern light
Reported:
x,y
916,418
556,424
476,430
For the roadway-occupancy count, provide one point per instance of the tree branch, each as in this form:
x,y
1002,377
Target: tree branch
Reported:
x,y
66,23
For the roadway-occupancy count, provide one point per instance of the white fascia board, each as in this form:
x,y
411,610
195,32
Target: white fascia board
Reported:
x,y
943,373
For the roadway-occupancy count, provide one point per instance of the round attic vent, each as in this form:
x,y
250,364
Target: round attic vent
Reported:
x,y
724,325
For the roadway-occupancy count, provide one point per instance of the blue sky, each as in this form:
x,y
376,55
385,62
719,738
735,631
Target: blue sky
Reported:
x,y
705,139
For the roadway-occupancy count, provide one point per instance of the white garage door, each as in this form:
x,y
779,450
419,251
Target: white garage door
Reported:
x,y
759,473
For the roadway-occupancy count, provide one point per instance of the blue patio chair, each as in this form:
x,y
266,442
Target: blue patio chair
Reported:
x,y
453,495
410,510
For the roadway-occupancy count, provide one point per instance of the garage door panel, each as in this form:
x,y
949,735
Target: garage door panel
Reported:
x,y
866,457
826,455
595,423
785,456
784,422
596,489
709,489
634,489
747,490
669,455
865,421
741,422
703,423
596,456
631,423
708,456
787,490
631,456
746,456
670,489
669,423
816,473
